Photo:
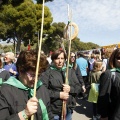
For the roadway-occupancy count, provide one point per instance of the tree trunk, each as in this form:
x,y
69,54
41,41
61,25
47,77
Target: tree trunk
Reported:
x,y
14,44
18,45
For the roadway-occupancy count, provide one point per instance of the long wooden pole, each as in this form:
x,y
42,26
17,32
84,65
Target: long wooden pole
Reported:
x,y
63,117
38,60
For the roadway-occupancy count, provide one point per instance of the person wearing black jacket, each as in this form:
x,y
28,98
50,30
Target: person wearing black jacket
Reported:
x,y
16,95
54,80
4,74
77,70
108,103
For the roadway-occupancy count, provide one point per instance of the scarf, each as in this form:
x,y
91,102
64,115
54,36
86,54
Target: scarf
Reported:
x,y
115,69
54,68
16,83
62,69
1,81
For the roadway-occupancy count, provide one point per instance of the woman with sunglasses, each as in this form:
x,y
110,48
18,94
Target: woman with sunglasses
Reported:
x,y
54,80
16,95
77,70
108,103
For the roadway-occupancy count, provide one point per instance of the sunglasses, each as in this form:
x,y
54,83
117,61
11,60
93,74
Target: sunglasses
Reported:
x,y
72,56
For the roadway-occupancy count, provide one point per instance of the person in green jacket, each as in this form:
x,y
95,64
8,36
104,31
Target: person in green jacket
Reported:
x,y
94,76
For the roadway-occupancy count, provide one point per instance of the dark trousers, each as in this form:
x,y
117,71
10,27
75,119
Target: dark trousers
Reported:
x,y
85,79
94,109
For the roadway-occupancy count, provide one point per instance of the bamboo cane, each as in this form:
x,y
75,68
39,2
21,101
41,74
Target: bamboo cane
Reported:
x,y
41,34
63,117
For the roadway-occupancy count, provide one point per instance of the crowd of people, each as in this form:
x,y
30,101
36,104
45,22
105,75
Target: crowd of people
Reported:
x,y
56,95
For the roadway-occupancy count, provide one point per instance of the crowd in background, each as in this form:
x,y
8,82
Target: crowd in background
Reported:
x,y
17,73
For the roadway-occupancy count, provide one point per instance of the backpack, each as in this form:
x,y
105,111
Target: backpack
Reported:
x,y
94,91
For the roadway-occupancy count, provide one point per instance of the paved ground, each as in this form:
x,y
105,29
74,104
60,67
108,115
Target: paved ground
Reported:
x,y
83,110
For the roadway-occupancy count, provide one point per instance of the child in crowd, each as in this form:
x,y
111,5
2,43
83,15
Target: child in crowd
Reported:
x,y
94,78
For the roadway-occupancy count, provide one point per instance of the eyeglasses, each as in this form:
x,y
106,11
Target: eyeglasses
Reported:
x,y
118,58
30,75
72,56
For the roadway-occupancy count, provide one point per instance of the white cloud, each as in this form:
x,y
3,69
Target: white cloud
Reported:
x,y
90,15
104,13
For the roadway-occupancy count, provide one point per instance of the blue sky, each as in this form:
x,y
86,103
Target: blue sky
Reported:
x,y
98,20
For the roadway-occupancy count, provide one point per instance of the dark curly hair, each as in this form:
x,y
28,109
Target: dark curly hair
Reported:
x,y
27,60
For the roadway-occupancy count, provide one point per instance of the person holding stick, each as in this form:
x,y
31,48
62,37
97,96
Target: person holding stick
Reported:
x,y
54,79
16,95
